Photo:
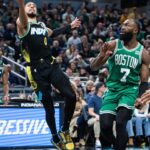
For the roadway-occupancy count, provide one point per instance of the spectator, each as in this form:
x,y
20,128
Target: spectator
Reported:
x,y
147,127
89,90
73,67
138,120
68,13
77,125
130,133
79,85
56,49
74,39
4,78
94,105
72,51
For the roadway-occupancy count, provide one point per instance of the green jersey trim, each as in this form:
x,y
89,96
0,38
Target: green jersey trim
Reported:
x,y
140,54
130,50
126,106
28,28
107,112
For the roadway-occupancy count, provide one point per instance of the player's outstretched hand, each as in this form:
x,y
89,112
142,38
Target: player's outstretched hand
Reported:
x,y
145,98
106,50
75,23
138,104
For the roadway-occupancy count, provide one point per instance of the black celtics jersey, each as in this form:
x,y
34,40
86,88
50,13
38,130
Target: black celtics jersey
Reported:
x,y
34,41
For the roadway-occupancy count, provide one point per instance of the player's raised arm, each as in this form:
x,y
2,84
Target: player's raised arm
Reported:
x,y
74,24
22,20
106,51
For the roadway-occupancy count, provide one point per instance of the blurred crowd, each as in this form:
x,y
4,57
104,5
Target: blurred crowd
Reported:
x,y
74,50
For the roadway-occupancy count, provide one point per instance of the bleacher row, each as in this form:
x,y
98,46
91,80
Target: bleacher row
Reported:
x,y
22,93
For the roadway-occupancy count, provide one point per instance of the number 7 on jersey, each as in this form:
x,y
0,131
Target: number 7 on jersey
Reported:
x,y
126,73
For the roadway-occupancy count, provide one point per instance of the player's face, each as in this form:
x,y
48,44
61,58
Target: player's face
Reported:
x,y
127,30
31,9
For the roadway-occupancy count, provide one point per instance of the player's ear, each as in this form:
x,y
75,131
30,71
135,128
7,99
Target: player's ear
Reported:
x,y
135,31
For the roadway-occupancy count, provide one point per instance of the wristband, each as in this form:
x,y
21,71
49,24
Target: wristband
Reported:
x,y
143,87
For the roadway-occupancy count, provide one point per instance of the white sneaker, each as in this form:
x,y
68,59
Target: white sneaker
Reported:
x,y
97,143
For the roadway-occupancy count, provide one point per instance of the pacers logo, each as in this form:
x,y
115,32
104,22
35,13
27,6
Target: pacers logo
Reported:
x,y
45,41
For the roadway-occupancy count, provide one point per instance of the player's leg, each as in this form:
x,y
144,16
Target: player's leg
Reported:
x,y
123,115
61,82
106,125
108,116
43,92
30,78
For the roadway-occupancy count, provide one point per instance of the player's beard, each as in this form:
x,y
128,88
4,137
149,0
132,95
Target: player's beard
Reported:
x,y
126,37
31,15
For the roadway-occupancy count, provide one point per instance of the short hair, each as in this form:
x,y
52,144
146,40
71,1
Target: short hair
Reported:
x,y
138,26
35,6
97,86
31,2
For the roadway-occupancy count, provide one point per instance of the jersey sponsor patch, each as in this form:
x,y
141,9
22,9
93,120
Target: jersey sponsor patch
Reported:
x,y
137,53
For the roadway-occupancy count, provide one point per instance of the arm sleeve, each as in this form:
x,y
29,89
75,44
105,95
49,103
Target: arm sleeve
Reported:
x,y
61,30
143,87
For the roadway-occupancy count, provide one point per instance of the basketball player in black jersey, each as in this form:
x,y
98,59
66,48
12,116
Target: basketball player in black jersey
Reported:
x,y
45,70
